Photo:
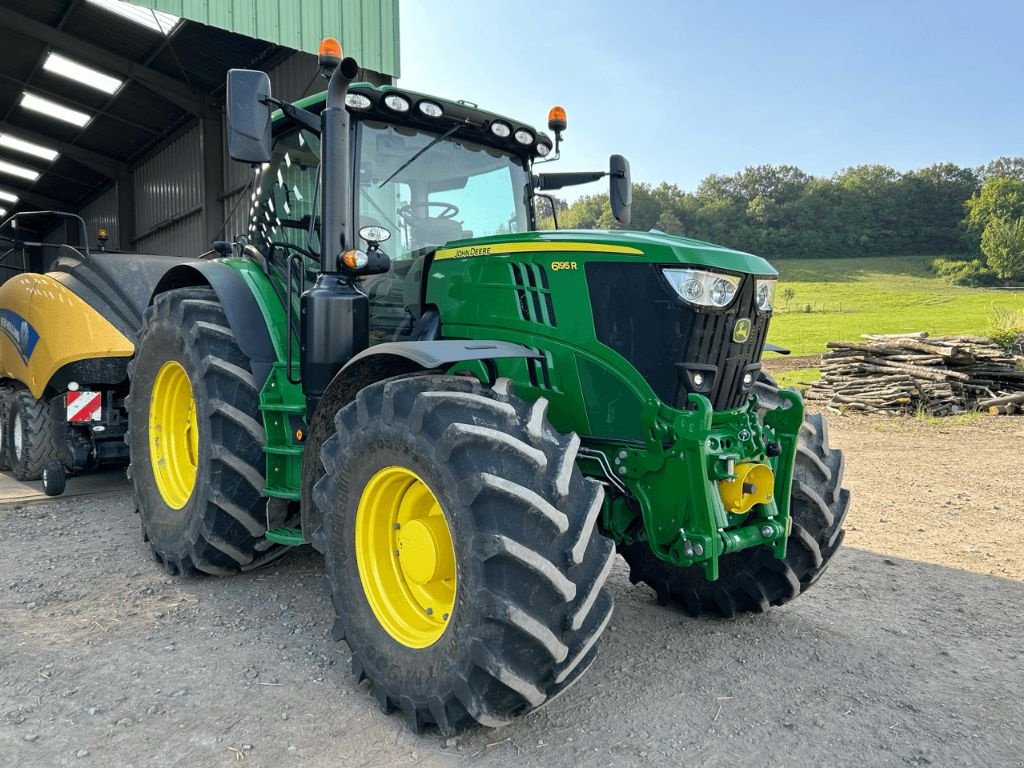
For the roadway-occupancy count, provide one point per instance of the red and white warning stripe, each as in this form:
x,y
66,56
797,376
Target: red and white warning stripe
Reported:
x,y
83,406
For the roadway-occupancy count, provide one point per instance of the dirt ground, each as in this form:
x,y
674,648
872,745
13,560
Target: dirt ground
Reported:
x,y
908,652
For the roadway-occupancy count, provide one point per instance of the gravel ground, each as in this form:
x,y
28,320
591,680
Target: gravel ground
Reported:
x,y
908,652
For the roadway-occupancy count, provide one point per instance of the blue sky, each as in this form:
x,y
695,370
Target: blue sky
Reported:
x,y
693,87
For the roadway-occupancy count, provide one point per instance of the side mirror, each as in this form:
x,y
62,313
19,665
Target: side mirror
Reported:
x,y
224,248
620,188
248,115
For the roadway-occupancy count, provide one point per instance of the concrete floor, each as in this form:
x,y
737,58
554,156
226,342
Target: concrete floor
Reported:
x,y
108,481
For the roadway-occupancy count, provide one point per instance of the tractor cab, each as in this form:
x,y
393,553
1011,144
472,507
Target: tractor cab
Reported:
x,y
417,189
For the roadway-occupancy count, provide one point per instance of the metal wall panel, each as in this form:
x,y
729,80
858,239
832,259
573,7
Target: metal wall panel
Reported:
x,y
101,213
169,198
367,29
295,77
169,184
238,217
184,238
46,256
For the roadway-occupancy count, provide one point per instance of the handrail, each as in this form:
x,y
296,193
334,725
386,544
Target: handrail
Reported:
x,y
12,220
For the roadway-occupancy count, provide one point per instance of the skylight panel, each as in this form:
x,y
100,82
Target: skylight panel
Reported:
x,y
158,21
62,65
27,147
53,109
18,170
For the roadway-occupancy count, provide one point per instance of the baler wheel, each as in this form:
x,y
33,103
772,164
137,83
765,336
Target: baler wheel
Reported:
x,y
6,399
55,478
196,439
753,580
462,551
29,435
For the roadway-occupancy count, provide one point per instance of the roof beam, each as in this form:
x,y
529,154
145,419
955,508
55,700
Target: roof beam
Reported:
x,y
91,111
94,161
42,202
167,87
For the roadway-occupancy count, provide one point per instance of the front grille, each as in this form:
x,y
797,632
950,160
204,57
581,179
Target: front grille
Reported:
x,y
669,342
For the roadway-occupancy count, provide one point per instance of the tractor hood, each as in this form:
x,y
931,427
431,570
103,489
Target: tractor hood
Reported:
x,y
653,246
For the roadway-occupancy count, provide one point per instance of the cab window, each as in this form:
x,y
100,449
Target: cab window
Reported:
x,y
284,220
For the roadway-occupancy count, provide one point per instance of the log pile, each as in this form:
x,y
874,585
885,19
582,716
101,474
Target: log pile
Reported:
x,y
912,373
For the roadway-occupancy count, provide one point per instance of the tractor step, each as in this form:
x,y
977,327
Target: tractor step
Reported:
x,y
283,450
290,537
284,408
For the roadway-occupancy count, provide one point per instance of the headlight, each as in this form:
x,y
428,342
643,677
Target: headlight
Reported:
x,y
396,103
703,289
524,137
765,293
430,109
501,130
357,101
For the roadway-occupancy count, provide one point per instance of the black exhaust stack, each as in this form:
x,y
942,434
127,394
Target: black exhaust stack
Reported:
x,y
335,175
335,316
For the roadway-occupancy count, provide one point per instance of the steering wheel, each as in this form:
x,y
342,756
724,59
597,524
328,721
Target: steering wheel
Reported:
x,y
409,212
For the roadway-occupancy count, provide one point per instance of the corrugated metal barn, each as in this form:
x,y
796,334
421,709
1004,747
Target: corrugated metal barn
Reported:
x,y
114,110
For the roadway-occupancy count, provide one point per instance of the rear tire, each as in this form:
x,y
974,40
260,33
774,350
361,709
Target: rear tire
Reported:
x,y
6,398
30,436
219,529
530,564
753,580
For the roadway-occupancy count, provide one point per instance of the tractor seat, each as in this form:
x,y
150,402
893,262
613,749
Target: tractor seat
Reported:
x,y
436,232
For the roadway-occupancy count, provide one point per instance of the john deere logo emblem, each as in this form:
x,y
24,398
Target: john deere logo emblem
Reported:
x,y
741,332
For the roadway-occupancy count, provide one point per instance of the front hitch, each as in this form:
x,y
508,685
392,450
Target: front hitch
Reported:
x,y
683,481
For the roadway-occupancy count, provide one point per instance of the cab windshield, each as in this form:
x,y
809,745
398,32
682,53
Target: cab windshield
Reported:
x,y
428,189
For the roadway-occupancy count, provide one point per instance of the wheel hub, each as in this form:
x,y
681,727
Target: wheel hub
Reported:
x,y
425,551
173,434
17,438
405,556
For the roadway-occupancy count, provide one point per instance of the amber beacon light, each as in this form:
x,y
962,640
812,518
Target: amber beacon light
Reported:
x,y
329,54
556,119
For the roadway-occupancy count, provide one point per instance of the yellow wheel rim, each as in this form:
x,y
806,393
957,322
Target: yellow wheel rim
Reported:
x,y
173,434
405,557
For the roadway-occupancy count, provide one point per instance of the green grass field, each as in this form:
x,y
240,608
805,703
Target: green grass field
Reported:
x,y
849,297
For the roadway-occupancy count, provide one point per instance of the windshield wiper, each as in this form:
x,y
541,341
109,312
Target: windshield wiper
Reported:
x,y
413,159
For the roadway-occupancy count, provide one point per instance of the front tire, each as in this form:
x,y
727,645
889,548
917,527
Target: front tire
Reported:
x,y
753,580
196,440
507,599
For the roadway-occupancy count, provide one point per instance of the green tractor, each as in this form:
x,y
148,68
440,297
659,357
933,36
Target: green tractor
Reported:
x,y
465,416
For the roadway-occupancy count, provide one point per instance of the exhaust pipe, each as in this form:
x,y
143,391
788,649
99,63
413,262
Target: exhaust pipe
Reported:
x,y
334,168
334,314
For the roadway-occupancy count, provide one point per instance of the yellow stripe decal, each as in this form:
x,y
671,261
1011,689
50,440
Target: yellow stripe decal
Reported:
x,y
499,248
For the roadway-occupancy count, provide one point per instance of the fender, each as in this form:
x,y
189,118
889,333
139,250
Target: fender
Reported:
x,y
243,311
384,361
46,329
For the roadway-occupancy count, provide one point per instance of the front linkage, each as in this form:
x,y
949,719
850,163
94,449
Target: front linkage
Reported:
x,y
721,457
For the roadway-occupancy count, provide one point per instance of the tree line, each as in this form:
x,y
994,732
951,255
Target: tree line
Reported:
x,y
868,210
